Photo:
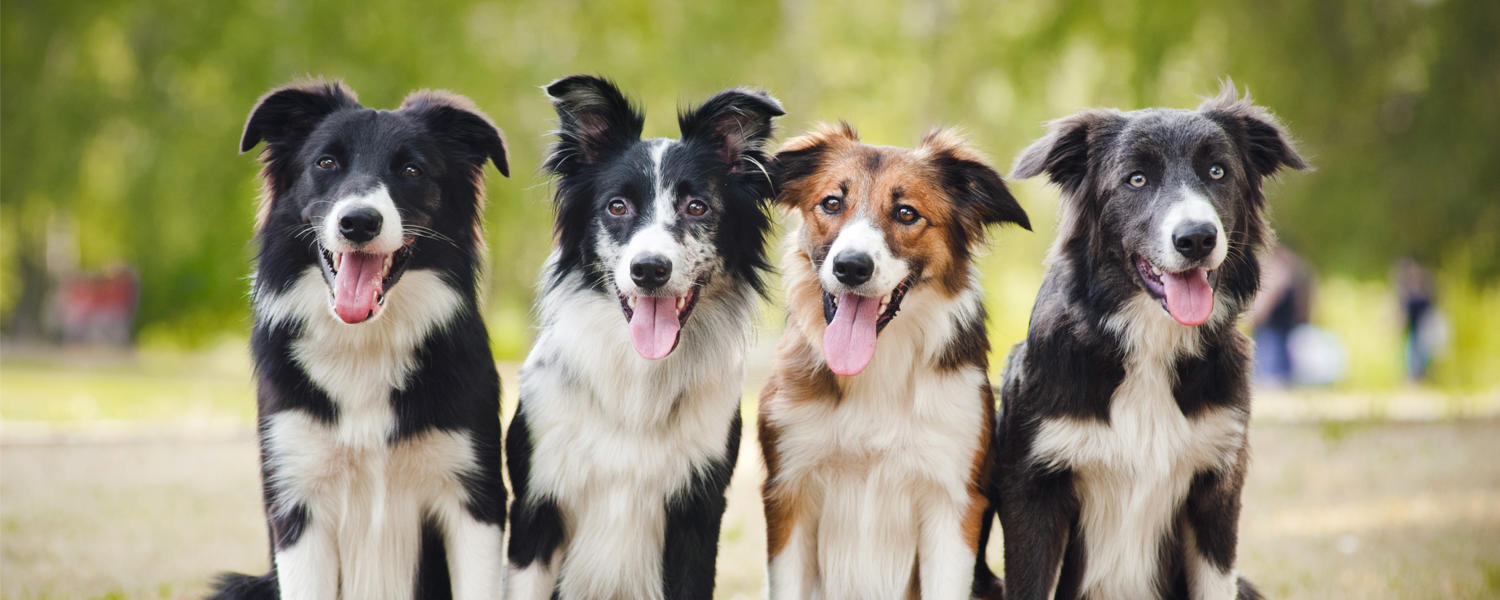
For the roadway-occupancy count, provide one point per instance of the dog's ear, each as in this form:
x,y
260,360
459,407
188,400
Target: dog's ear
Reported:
x,y
801,156
595,121
1064,152
285,116
736,124
970,181
454,118
1263,141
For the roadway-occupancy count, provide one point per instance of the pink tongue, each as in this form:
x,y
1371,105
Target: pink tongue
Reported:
x,y
355,286
1189,298
654,326
849,340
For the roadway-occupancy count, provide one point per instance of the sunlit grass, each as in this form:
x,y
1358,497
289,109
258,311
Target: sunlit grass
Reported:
x,y
149,386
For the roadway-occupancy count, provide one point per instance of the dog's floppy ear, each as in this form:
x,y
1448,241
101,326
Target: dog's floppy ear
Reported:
x,y
800,157
736,123
1064,152
454,118
594,122
970,181
1263,141
285,116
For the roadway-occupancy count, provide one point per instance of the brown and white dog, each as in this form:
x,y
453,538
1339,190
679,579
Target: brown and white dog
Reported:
x,y
876,452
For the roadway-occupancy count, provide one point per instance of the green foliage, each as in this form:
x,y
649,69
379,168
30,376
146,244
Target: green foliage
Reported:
x,y
120,118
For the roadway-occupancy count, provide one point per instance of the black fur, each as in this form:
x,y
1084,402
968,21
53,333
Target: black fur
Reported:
x,y
1070,363
693,518
599,158
454,386
599,154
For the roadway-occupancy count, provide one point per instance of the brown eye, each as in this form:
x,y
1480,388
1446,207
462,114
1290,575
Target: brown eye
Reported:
x,y
832,204
1216,172
696,208
327,162
411,171
1137,180
618,207
906,215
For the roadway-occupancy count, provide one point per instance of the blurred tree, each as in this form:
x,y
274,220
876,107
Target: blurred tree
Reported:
x,y
118,118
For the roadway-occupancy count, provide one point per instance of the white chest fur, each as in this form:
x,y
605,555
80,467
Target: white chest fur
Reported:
x,y
1132,473
613,434
365,495
888,466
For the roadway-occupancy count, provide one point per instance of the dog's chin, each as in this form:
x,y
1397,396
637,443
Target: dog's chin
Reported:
x,y
1179,293
359,282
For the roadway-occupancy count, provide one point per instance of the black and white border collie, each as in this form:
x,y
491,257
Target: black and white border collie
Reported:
x,y
629,422
1122,442
875,426
379,404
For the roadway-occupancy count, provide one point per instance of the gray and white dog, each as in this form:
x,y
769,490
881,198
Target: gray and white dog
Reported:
x,y
1121,448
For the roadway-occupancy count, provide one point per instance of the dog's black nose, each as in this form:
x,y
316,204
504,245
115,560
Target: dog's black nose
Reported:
x,y
853,268
1195,240
650,271
360,225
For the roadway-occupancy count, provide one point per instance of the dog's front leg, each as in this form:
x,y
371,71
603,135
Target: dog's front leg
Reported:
x,y
946,561
1212,513
694,516
472,529
306,555
1037,511
535,549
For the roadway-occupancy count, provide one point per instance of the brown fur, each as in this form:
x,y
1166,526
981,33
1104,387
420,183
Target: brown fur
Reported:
x,y
957,195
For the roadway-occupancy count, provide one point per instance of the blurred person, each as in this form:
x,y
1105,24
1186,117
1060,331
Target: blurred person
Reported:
x,y
1425,329
1283,304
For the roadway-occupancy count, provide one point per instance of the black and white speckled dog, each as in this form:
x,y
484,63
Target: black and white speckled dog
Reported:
x,y
378,400
1122,446
629,422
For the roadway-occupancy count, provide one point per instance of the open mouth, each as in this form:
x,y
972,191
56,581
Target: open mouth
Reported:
x,y
853,322
1188,296
359,280
656,321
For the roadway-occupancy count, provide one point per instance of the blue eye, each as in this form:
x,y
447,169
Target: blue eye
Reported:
x,y
1216,172
1137,180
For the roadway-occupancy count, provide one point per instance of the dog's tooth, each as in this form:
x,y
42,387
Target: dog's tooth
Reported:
x,y
681,301
387,266
630,301
338,260
1155,271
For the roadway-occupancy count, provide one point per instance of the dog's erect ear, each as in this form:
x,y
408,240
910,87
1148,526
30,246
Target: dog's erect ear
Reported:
x,y
1262,139
289,114
1064,152
800,157
971,182
454,118
736,123
595,121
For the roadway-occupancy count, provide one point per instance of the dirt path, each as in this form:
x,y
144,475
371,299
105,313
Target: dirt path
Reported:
x,y
1331,511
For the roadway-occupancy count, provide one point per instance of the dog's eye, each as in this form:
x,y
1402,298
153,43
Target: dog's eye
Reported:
x,y
618,207
1137,180
906,214
832,204
696,208
327,162
411,171
1216,172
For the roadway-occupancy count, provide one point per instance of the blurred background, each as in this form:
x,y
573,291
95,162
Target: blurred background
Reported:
x,y
127,457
